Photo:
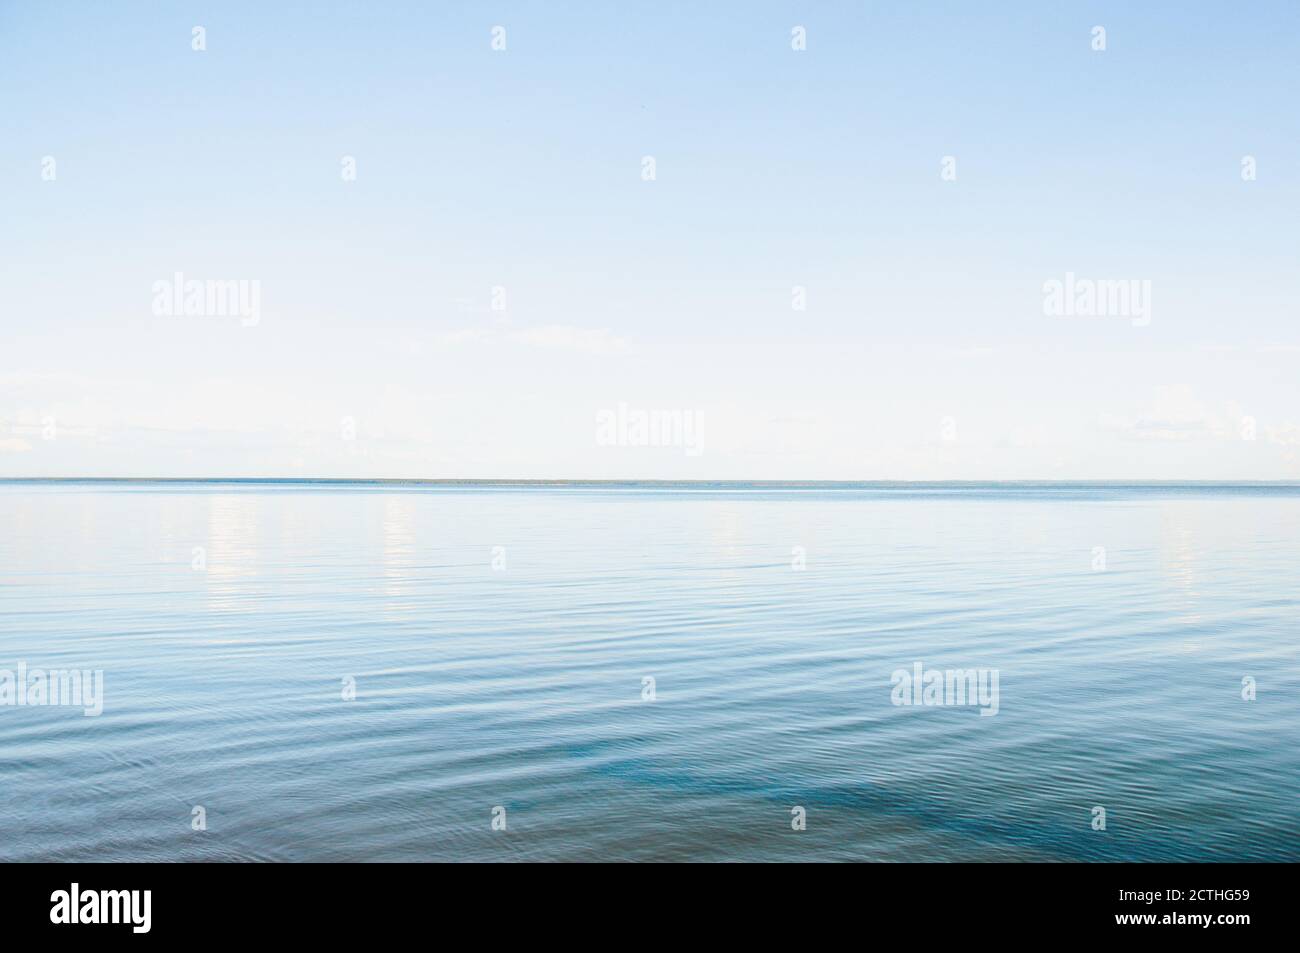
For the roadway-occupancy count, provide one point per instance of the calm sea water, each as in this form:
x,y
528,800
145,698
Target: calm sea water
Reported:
x,y
515,677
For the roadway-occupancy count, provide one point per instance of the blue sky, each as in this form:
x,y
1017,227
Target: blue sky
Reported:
x,y
923,353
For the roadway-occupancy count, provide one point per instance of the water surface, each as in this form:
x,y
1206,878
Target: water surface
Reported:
x,y
499,638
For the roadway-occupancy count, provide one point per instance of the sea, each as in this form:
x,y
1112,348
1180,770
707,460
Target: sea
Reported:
x,y
403,671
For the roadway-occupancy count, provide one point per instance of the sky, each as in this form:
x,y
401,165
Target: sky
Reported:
x,y
650,240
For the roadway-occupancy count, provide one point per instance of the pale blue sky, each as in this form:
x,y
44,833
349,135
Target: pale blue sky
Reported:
x,y
775,168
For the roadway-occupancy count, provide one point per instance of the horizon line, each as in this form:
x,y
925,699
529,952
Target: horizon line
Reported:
x,y
636,481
